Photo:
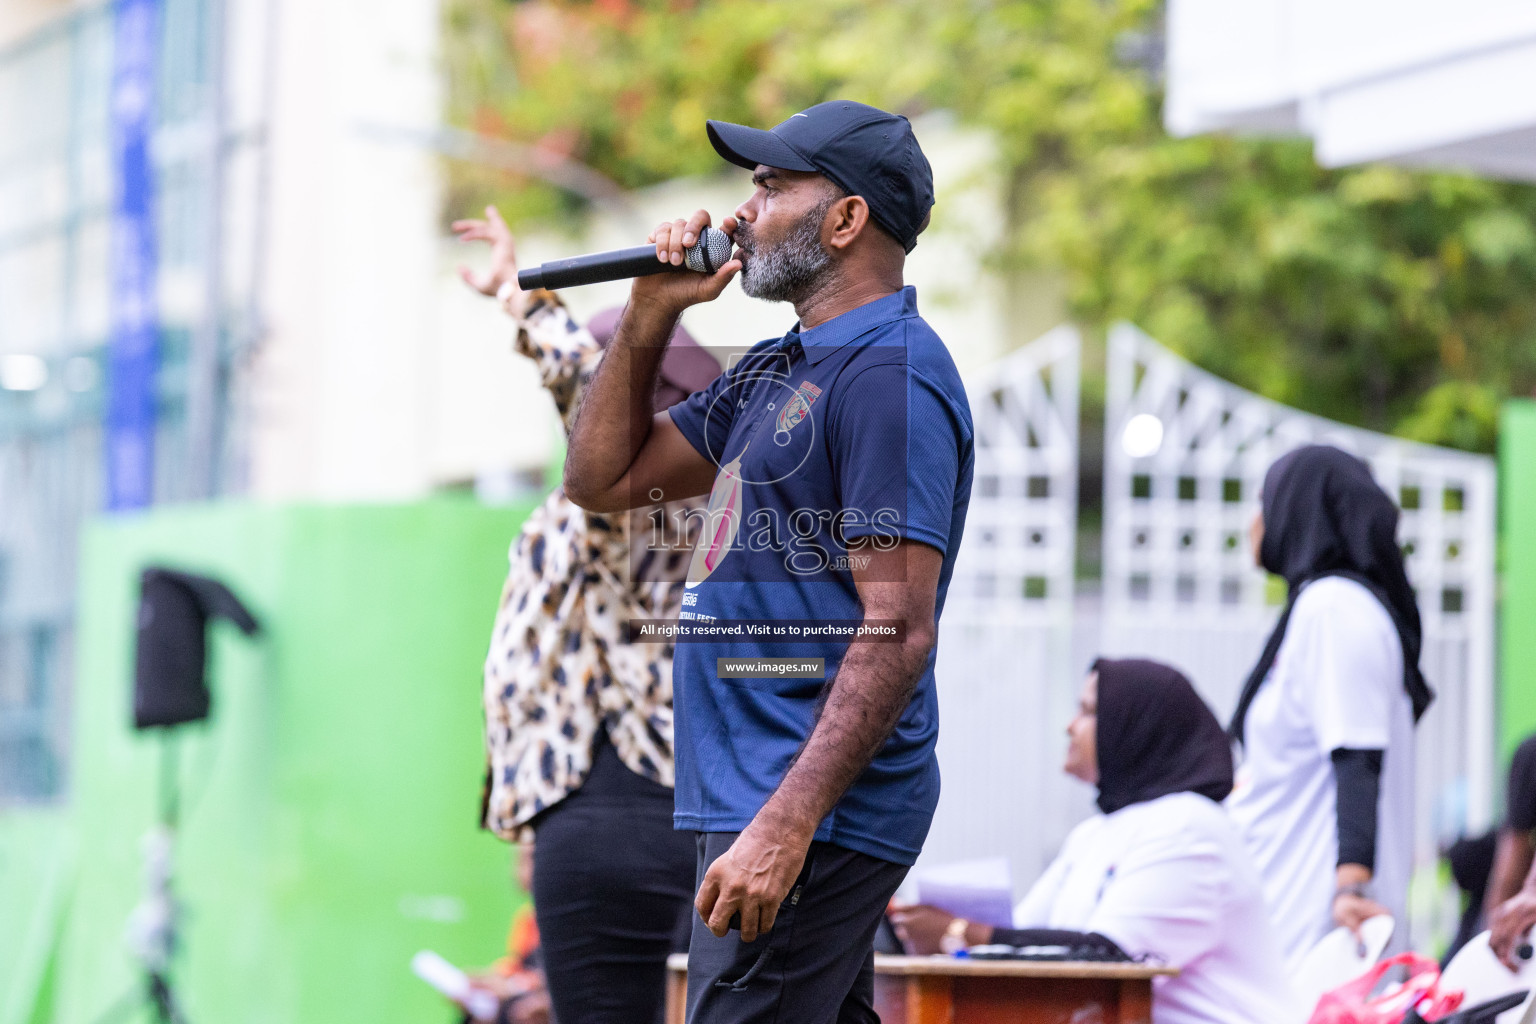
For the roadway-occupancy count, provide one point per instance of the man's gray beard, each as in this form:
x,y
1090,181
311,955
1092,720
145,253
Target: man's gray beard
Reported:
x,y
793,269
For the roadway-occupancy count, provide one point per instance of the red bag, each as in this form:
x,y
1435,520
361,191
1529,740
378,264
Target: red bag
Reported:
x,y
1351,1002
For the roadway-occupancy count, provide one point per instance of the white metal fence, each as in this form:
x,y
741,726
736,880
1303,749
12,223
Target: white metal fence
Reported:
x,y
1185,456
1005,645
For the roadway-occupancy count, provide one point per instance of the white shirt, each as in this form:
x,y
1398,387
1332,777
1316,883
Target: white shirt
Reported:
x,y
1169,879
1337,682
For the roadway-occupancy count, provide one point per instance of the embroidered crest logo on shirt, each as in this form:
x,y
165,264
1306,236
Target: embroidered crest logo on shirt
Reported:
x,y
799,406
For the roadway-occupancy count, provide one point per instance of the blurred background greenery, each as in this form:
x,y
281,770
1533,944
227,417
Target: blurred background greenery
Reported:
x,y
1393,299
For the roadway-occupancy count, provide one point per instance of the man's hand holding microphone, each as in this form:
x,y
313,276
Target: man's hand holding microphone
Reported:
x,y
701,254
679,291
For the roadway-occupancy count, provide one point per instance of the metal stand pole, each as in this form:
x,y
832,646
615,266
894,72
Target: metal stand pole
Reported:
x,y
152,926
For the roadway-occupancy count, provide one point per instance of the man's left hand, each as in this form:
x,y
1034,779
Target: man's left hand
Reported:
x,y
752,879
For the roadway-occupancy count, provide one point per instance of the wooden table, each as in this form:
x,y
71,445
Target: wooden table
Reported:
x,y
943,990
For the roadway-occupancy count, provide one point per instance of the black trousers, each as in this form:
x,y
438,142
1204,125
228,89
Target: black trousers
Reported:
x,y
613,893
817,965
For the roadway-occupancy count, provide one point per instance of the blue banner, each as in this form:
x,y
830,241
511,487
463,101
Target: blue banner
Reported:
x,y
134,349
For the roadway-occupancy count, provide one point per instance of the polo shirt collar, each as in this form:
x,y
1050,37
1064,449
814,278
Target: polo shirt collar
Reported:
x,y
856,325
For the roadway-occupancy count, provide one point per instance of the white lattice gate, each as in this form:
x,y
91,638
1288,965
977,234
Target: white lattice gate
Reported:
x,y
1185,456
1005,680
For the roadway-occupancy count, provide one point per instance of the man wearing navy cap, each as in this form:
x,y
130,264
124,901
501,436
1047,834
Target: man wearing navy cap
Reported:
x,y
838,462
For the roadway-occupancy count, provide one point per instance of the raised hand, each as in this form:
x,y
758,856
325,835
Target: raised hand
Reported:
x,y
503,252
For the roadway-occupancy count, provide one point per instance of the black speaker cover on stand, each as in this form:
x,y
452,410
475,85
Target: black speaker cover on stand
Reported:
x,y
170,679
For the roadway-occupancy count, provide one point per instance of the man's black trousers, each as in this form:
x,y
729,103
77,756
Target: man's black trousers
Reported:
x,y
817,965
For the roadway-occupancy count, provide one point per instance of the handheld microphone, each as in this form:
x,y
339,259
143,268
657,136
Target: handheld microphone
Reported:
x,y
711,252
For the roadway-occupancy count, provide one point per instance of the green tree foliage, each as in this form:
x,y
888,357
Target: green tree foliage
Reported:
x,y
1395,299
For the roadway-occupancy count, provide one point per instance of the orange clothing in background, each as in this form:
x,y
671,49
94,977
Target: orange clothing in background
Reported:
x,y
522,943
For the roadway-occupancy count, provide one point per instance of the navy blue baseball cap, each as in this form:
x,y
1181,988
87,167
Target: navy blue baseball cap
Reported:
x,y
864,150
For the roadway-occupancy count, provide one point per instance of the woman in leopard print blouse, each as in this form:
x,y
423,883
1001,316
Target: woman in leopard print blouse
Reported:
x,y
558,670
579,723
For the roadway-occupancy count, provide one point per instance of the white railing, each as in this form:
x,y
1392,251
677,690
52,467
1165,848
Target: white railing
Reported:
x,y
1005,678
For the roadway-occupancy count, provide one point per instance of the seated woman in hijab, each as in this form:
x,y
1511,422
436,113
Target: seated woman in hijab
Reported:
x,y
1161,874
1324,792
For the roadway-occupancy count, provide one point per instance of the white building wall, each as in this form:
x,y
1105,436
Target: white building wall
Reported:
x,y
340,390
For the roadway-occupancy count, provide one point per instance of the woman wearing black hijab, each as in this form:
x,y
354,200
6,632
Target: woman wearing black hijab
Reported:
x,y
1325,792
1162,872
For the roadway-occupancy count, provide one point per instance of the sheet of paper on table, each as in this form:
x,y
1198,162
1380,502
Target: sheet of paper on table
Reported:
x,y
977,890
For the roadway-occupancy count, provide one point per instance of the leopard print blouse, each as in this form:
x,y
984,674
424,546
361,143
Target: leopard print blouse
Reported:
x,y
557,669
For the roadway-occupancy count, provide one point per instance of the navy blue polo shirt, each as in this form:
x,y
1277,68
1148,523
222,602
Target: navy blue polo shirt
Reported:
x,y
829,440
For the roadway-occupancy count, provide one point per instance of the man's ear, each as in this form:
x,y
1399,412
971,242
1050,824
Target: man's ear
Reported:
x,y
846,221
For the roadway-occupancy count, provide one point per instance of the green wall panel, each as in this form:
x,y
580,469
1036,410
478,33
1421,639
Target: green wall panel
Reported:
x,y
36,882
1517,618
329,804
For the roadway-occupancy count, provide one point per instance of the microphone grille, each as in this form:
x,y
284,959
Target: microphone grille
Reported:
x,y
709,253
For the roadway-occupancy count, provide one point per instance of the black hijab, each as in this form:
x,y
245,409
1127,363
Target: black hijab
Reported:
x,y
1156,736
1325,516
